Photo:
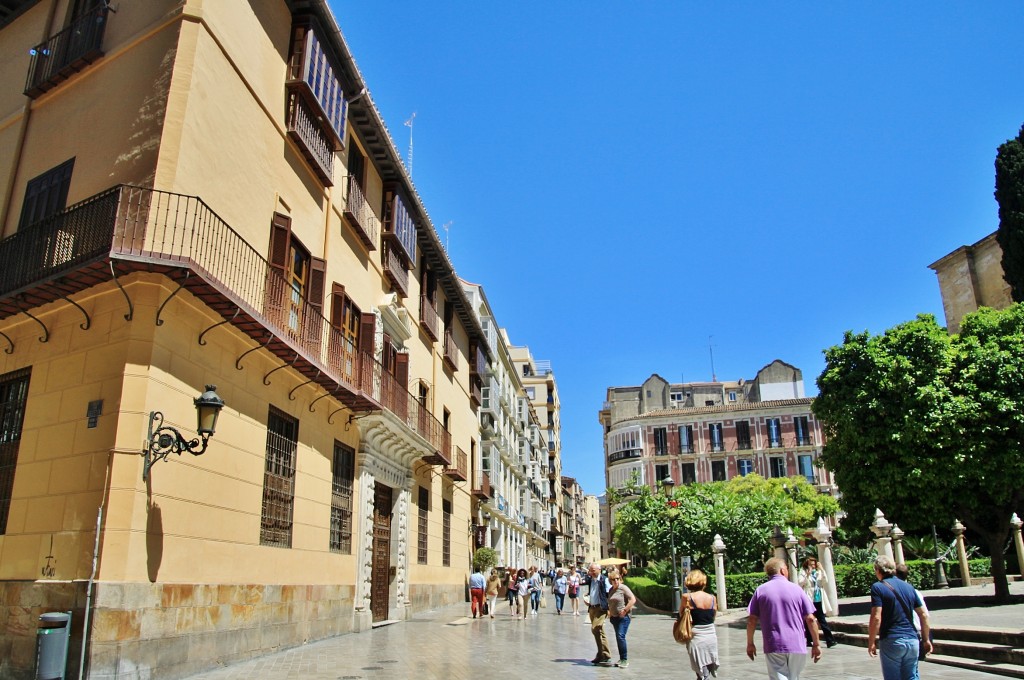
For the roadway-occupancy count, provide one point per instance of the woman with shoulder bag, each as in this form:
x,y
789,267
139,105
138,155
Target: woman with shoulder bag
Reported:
x,y
573,582
703,646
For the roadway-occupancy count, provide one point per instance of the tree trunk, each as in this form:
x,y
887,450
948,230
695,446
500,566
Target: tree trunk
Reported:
x,y
995,549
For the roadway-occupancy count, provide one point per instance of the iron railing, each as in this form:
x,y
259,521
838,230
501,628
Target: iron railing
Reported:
x,y
451,351
460,468
360,215
428,317
135,224
66,52
394,269
482,485
304,127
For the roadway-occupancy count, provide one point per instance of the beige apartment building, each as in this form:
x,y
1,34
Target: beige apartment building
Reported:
x,y
971,277
200,193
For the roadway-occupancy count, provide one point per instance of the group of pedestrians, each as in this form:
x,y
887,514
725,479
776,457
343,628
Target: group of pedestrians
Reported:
x,y
791,615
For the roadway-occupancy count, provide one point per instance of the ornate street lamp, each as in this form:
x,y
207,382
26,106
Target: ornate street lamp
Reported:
x,y
165,440
668,484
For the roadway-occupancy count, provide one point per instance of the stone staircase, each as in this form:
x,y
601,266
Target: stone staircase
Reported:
x,y
968,647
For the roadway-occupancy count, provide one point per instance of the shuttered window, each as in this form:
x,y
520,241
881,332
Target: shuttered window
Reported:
x,y
13,396
46,195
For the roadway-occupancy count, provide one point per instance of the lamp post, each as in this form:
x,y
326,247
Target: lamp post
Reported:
x,y
164,440
667,485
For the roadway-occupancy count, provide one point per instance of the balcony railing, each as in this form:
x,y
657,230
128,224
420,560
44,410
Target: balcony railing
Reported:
x,y
475,392
67,52
482,485
428,317
460,470
305,130
394,269
451,351
625,455
478,359
360,215
686,448
144,229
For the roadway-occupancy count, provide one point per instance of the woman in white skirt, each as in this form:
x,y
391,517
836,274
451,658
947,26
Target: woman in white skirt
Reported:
x,y
703,647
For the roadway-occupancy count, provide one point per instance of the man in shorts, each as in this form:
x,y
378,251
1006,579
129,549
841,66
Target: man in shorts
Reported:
x,y
784,611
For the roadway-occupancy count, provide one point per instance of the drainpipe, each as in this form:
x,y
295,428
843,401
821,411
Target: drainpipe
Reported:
x,y
19,148
95,563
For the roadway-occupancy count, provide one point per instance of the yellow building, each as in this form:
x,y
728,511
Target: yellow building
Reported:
x,y
203,193
971,277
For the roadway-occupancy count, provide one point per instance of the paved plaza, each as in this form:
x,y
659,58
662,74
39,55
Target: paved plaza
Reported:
x,y
448,645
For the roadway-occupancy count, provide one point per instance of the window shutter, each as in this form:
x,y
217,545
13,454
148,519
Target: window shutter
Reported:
x,y
402,370
337,304
280,239
367,332
317,273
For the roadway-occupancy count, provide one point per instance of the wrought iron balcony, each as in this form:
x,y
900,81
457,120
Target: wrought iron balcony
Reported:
x,y
482,488
128,229
314,143
478,359
67,52
395,271
428,317
475,392
460,470
451,351
360,215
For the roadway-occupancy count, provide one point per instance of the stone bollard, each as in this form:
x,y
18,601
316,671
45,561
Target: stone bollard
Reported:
x,y
791,544
897,544
718,547
961,554
1016,525
881,528
823,535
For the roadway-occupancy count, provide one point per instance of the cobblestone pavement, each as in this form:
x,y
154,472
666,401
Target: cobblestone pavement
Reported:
x,y
447,645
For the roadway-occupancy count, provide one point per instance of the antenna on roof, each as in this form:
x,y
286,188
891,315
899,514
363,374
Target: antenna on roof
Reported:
x,y
408,124
714,378
447,225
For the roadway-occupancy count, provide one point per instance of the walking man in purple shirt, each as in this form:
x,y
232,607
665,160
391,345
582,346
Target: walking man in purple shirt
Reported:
x,y
784,610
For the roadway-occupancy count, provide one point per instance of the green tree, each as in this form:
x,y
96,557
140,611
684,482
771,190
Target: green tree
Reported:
x,y
930,426
1010,196
484,559
743,511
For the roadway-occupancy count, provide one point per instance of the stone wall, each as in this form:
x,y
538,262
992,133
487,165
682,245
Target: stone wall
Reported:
x,y
179,629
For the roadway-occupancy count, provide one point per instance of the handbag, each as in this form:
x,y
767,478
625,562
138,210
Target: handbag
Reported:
x,y
487,607
921,653
543,602
682,628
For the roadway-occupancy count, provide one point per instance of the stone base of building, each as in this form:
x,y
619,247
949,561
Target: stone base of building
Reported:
x,y
142,630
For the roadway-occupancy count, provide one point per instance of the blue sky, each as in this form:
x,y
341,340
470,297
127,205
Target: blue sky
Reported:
x,y
626,181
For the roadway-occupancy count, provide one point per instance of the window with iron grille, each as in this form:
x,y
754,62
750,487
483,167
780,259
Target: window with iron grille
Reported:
x,y
446,536
13,395
341,498
279,479
421,540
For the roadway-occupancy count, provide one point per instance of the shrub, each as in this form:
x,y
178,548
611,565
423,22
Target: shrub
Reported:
x,y
650,592
979,567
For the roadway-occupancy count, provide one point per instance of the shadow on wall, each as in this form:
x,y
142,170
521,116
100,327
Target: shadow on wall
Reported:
x,y
154,541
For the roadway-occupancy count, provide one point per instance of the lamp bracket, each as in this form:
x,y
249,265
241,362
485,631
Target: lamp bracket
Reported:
x,y
164,440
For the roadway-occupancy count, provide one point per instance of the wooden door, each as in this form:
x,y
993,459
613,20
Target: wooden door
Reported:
x,y
380,583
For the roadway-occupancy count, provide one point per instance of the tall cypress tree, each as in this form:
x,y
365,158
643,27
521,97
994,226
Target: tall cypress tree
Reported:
x,y
1010,196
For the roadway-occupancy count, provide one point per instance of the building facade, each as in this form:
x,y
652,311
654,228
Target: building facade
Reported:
x,y
703,432
971,277
542,392
512,460
204,193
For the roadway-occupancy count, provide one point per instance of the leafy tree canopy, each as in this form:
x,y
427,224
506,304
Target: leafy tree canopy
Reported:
x,y
1010,196
743,511
930,427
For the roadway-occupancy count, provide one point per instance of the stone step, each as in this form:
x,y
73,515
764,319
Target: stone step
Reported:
x,y
1008,670
981,652
977,634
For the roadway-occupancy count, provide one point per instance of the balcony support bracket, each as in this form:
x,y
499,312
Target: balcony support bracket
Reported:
x,y
238,361
131,309
266,378
45,337
329,393
8,350
219,323
291,395
88,321
159,321
334,413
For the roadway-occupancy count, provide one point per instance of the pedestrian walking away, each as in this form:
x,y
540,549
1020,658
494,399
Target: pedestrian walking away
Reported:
x,y
703,646
813,581
476,593
493,586
559,585
783,610
597,610
621,601
891,631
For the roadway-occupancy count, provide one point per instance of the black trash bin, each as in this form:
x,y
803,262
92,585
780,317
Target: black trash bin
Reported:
x,y
52,638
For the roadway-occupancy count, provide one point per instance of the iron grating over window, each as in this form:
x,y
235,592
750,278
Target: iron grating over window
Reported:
x,y
446,537
13,395
279,479
423,503
341,498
